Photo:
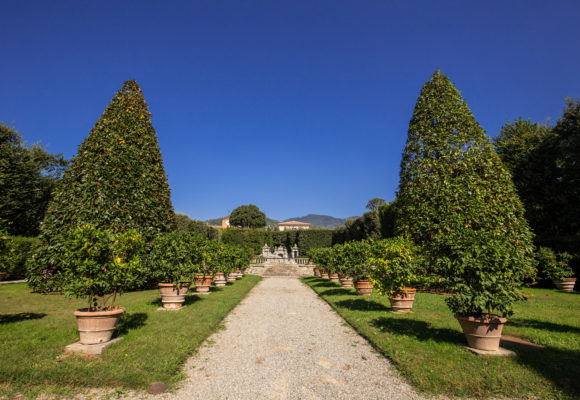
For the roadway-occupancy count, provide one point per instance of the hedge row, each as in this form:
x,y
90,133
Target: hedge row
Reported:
x,y
18,250
256,238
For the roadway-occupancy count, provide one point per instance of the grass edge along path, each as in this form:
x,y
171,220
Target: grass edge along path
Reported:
x,y
426,346
35,329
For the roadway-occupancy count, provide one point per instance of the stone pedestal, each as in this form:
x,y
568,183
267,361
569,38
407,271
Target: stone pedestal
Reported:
x,y
90,349
499,352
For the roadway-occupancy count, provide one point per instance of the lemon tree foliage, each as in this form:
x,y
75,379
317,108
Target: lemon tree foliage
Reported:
x,y
175,257
396,263
116,182
99,265
457,200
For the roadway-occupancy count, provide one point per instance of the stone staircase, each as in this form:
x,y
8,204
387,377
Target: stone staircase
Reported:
x,y
290,270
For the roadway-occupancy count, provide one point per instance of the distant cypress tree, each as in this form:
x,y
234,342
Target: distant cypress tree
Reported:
x,y
457,200
116,182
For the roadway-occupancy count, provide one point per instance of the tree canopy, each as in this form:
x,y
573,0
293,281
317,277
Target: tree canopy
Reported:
x,y
28,175
248,216
375,203
544,164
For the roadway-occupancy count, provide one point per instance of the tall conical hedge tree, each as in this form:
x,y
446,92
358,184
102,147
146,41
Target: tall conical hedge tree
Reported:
x,y
458,201
115,182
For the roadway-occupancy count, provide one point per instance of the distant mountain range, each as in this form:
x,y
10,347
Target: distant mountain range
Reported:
x,y
321,221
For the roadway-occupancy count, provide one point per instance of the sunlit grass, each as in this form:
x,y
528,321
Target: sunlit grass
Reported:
x,y
426,346
35,328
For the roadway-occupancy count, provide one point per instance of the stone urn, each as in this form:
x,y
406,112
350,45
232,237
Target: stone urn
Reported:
x,y
220,279
345,281
173,296
97,326
324,274
483,332
402,300
316,271
239,274
231,277
566,285
333,277
363,287
202,283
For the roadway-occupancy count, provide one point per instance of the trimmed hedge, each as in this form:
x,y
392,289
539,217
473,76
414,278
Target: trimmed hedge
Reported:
x,y
116,182
19,250
256,238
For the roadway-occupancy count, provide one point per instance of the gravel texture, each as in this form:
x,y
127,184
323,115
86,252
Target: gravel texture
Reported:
x,y
283,342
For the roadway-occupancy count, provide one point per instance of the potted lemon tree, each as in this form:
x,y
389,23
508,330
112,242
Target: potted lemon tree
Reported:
x,y
355,262
173,260
396,269
556,268
337,256
98,266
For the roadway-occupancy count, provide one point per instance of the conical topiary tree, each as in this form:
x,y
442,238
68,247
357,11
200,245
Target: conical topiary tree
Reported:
x,y
457,200
115,182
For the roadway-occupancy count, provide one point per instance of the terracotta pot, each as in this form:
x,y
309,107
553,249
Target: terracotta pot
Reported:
x,y
402,300
324,274
316,271
231,277
173,296
363,287
97,326
567,285
219,279
482,333
202,283
239,274
345,282
333,277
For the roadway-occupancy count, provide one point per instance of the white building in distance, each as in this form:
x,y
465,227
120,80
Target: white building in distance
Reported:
x,y
293,225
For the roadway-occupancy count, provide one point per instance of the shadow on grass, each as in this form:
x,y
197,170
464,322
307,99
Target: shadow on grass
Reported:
x,y
9,318
324,283
420,330
361,305
336,292
562,367
547,326
130,322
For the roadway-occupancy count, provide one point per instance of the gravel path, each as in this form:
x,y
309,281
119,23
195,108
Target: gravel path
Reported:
x,y
283,342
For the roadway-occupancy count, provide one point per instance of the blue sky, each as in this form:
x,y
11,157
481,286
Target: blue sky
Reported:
x,y
298,107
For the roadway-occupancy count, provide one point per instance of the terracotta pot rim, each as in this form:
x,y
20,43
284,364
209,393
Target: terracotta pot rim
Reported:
x,y
81,312
407,289
569,280
483,319
174,284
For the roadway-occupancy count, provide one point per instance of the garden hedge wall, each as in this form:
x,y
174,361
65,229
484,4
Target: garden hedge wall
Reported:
x,y
256,238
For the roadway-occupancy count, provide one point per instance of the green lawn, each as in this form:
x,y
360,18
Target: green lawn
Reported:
x,y
35,328
427,345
